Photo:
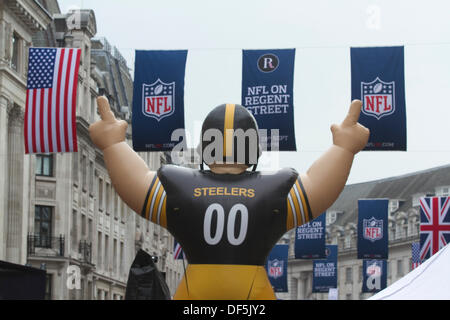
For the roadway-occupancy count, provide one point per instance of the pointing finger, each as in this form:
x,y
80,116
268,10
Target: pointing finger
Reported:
x,y
353,114
104,109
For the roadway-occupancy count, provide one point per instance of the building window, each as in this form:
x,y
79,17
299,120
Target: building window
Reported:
x,y
83,172
108,198
331,217
121,259
393,205
83,227
44,165
399,268
90,230
99,251
106,262
91,177
48,286
360,276
74,229
348,241
348,275
115,265
43,226
15,52
100,194
416,199
443,191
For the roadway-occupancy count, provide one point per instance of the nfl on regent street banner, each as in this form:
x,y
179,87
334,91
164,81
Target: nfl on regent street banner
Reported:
x,y
373,228
325,271
434,225
310,239
276,267
374,275
267,92
158,99
378,80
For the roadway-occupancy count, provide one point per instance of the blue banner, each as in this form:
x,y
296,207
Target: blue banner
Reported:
x,y
276,267
310,239
325,271
374,275
373,228
267,92
158,99
378,80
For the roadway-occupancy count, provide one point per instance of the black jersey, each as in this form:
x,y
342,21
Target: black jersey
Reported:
x,y
226,218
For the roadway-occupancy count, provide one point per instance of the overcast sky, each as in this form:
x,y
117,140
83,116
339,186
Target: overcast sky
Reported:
x,y
322,32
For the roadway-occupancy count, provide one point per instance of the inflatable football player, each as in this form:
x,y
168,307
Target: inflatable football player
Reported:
x,y
227,219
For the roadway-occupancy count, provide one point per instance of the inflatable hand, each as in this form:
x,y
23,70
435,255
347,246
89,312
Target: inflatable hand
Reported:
x,y
107,131
351,135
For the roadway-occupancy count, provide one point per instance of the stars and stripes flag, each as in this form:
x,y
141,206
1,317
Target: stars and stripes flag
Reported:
x,y
434,225
177,251
50,117
415,255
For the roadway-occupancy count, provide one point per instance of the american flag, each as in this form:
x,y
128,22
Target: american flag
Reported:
x,y
434,225
50,118
415,254
177,251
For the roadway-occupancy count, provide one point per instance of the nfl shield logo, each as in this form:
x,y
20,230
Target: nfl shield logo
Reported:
x,y
275,268
158,99
372,229
378,98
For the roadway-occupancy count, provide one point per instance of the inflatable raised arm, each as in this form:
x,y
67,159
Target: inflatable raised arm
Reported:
x,y
129,174
326,177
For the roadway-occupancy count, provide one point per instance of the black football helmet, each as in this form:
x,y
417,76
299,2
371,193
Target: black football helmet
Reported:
x,y
240,139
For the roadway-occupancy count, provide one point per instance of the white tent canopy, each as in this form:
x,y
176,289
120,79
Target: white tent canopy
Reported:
x,y
429,281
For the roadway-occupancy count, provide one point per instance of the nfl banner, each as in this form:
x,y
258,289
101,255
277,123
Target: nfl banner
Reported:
x,y
374,275
158,99
310,239
378,80
434,225
267,92
373,228
276,267
325,271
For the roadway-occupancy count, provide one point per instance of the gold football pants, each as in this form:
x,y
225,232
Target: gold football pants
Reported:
x,y
224,282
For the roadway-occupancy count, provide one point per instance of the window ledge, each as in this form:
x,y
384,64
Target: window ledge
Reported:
x,y
45,178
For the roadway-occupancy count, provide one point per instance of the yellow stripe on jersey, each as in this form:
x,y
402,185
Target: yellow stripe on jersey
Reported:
x,y
163,218
290,217
155,203
298,210
148,199
228,130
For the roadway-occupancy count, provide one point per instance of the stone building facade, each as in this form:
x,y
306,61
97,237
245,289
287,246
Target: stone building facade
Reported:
x,y
60,211
403,193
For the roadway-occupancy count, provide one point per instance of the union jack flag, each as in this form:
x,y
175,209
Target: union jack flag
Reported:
x,y
434,225
177,251
415,254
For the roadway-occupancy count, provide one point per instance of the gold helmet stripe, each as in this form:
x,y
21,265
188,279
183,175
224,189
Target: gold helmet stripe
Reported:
x,y
228,130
